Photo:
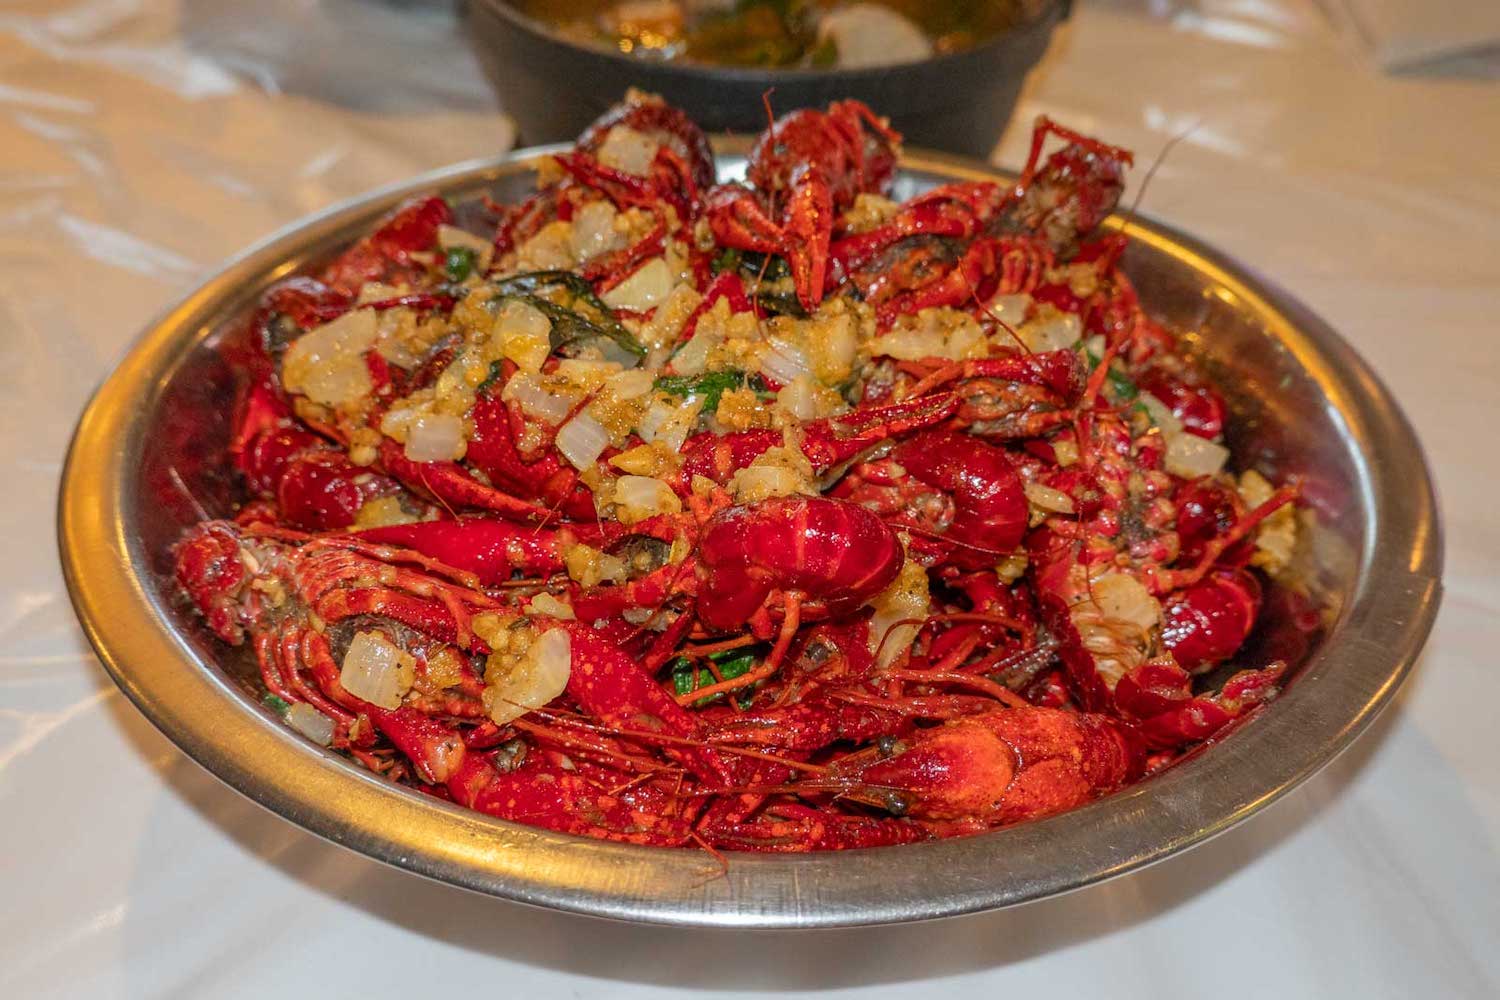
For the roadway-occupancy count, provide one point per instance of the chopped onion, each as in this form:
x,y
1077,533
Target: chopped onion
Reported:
x,y
640,497
645,289
376,291
1012,309
668,421
435,437
327,364
905,598
692,357
516,317
454,238
533,680
586,373
1055,332
545,604
758,482
632,384
377,671
594,230
310,723
627,150
784,362
536,401
932,334
1123,598
1190,456
522,333
1161,414
1049,499
582,440
801,399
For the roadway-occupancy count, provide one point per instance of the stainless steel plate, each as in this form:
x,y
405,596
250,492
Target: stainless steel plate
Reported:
x,y
147,460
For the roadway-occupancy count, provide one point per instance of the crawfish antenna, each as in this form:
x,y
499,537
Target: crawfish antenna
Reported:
x,y
1140,192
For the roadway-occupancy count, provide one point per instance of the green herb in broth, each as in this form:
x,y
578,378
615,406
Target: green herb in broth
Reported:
x,y
761,33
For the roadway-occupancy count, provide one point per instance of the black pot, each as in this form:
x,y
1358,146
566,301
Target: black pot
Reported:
x,y
554,88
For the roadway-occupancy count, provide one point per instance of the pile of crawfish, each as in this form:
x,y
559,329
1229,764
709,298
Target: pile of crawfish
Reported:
x,y
766,515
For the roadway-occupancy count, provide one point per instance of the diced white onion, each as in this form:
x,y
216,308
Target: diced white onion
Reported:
x,y
1190,456
586,372
377,671
376,291
582,440
1161,414
784,362
435,437
1011,309
692,357
833,345
1049,499
310,723
905,598
632,384
668,421
645,289
327,364
536,401
454,238
1123,598
533,680
1057,332
545,604
640,497
800,398
758,482
627,150
932,333
516,317
594,230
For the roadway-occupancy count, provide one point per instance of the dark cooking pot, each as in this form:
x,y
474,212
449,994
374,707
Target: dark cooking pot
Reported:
x,y
554,88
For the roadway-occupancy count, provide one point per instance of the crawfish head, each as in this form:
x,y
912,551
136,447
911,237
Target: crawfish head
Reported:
x,y
209,569
996,767
661,122
830,551
1074,190
848,147
990,509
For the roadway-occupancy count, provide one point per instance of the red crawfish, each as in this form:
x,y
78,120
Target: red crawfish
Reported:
x,y
962,496
965,776
806,169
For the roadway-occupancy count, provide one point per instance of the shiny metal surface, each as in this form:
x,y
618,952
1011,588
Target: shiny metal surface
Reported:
x,y
144,463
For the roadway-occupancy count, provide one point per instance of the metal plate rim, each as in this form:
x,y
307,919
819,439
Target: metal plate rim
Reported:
x,y
195,707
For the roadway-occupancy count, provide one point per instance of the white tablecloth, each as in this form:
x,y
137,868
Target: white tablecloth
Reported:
x,y
141,141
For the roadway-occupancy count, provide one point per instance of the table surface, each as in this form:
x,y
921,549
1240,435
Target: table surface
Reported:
x,y
146,140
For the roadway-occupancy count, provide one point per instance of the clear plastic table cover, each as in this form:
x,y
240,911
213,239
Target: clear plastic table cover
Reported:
x,y
142,141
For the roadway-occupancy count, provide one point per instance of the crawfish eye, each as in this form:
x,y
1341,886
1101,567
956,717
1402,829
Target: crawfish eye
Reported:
x,y
889,746
642,553
509,755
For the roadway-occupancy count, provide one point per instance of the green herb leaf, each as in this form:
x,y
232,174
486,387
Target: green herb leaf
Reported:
x,y
731,663
458,263
1121,386
275,704
497,368
711,386
576,325
728,260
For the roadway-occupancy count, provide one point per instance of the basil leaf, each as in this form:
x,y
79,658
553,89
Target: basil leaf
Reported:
x,y
710,385
458,263
579,326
